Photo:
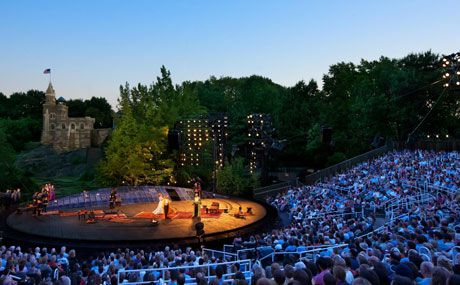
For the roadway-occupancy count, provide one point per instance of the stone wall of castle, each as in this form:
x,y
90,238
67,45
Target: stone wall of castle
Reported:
x,y
64,133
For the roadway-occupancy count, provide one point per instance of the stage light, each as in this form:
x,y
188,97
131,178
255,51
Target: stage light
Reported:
x,y
427,136
447,136
437,136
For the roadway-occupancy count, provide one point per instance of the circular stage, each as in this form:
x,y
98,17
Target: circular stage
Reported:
x,y
133,220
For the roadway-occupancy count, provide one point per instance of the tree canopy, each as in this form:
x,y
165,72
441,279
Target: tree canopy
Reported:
x,y
137,151
362,101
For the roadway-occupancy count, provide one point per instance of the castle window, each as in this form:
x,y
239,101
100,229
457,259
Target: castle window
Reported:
x,y
63,126
82,126
72,126
52,126
52,115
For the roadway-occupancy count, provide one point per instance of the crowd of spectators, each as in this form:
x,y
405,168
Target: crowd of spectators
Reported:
x,y
419,246
10,197
346,206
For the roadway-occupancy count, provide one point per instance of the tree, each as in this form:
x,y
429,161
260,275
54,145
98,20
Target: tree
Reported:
x,y
134,154
96,107
28,104
20,131
10,175
235,179
137,151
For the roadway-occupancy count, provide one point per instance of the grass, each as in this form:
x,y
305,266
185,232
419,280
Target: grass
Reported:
x,y
68,185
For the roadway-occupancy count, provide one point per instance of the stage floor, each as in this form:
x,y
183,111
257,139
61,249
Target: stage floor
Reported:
x,y
135,222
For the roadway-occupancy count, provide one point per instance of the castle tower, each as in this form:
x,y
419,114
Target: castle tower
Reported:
x,y
66,133
50,95
49,116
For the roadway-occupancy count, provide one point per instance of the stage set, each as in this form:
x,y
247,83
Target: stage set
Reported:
x,y
90,217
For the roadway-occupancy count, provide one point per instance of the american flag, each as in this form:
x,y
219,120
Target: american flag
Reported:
x,y
47,71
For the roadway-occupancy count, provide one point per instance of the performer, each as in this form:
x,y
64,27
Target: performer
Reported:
x,y
113,198
35,203
44,200
197,206
159,208
51,192
197,188
166,207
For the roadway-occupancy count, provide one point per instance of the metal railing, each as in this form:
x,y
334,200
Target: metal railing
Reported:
x,y
223,255
344,165
445,190
302,254
320,175
435,144
275,188
162,276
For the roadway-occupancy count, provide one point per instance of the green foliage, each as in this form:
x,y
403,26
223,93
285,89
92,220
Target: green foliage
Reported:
x,y
78,160
10,175
238,97
137,151
69,185
18,132
234,179
96,107
385,97
20,105
185,174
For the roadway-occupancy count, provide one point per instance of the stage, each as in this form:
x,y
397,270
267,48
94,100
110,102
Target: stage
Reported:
x,y
133,222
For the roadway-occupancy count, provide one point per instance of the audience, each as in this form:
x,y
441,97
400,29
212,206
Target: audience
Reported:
x,y
418,243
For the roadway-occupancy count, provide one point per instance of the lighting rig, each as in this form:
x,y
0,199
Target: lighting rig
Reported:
x,y
451,78
260,139
195,135
451,71
218,125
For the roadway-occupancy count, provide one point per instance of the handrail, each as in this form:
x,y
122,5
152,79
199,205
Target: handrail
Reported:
x,y
327,247
276,187
334,169
301,253
227,246
443,189
245,268
213,252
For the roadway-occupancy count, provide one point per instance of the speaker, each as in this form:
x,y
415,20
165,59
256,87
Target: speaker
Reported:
x,y
199,228
326,135
173,139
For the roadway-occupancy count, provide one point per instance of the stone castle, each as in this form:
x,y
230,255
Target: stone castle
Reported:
x,y
64,133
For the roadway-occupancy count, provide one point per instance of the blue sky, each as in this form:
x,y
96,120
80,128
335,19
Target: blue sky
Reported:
x,y
94,46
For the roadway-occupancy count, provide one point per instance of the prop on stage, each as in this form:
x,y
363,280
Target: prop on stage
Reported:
x,y
197,206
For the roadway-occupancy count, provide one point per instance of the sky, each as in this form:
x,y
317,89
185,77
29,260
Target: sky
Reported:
x,y
92,47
